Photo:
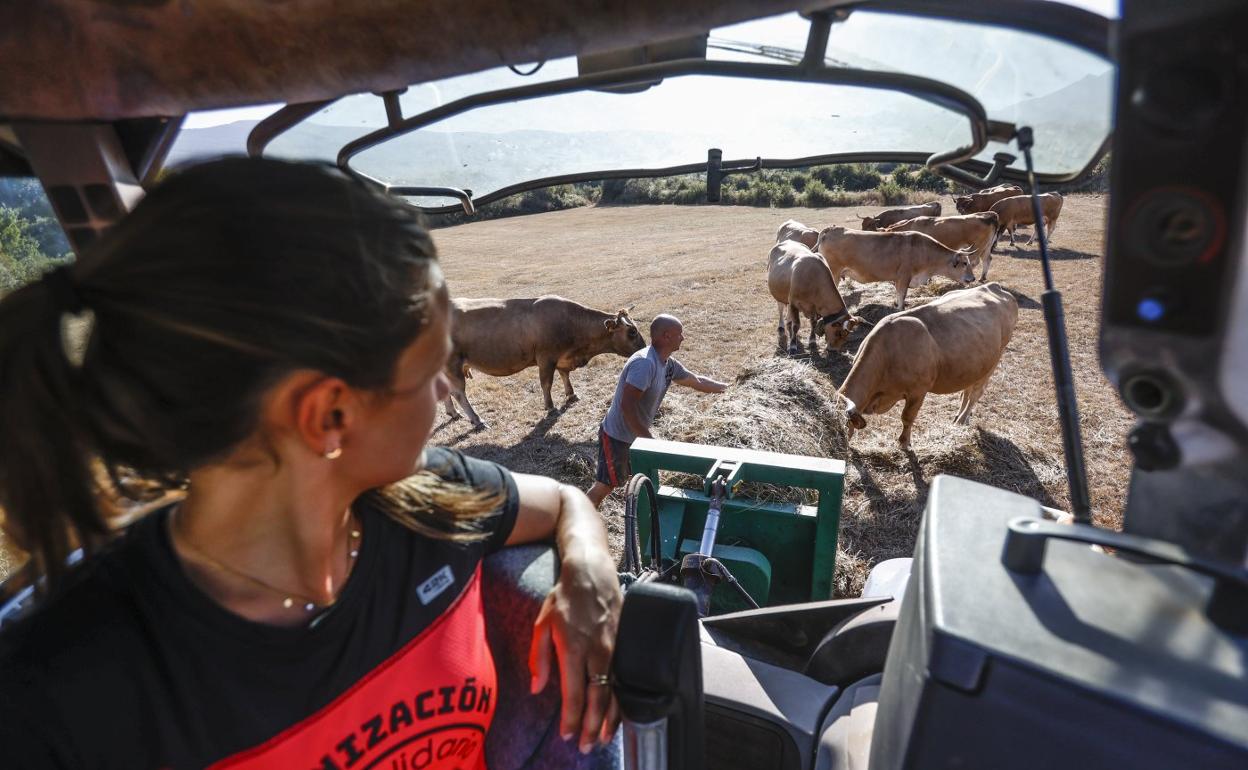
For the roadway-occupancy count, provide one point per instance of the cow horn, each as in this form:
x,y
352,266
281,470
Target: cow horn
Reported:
x,y
831,318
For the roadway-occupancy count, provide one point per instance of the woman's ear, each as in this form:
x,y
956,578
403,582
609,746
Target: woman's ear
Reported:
x,y
315,409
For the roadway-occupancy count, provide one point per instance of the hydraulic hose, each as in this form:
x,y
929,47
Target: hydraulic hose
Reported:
x,y
632,547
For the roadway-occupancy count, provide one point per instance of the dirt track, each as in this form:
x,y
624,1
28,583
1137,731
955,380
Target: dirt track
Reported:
x,y
705,265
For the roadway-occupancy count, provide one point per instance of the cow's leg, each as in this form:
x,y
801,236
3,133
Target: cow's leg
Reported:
x,y
902,287
780,330
970,397
908,415
546,375
1012,229
987,262
812,344
795,324
1035,229
455,373
569,396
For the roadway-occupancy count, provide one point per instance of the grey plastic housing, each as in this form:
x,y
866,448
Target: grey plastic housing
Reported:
x,y
987,667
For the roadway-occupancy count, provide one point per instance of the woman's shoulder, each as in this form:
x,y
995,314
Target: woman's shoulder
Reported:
x,y
81,629
454,466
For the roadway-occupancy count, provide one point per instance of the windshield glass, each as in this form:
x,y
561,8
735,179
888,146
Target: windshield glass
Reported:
x,y
670,124
1063,92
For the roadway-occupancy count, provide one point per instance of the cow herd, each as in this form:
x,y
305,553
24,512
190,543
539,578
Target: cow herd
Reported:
x,y
951,344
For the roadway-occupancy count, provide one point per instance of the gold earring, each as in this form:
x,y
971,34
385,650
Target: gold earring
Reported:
x,y
333,454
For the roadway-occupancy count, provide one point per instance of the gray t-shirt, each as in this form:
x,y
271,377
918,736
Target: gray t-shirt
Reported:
x,y
643,371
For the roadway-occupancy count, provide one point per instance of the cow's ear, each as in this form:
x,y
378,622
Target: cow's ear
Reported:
x,y
610,323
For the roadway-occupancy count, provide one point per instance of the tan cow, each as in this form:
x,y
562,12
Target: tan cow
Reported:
x,y
904,259
893,216
503,336
1016,210
978,231
802,285
950,344
792,230
983,200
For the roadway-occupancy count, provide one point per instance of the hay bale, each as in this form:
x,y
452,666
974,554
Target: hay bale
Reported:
x,y
775,405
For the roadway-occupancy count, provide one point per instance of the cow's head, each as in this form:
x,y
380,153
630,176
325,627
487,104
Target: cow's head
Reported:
x,y
963,204
827,234
837,327
626,338
870,223
853,417
957,266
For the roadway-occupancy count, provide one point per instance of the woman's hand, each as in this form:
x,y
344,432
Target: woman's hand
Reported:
x,y
578,623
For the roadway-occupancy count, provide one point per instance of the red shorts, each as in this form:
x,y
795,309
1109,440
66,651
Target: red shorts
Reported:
x,y
613,467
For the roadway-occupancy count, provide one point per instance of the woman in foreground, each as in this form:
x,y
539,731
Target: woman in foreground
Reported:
x,y
270,337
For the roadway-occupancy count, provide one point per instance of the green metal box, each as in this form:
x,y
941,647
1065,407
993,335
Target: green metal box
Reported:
x,y
781,553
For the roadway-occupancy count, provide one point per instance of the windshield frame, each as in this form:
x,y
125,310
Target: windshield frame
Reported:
x,y
942,94
958,164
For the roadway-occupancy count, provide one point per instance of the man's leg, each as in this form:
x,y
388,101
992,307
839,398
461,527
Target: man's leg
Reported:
x,y
598,492
612,470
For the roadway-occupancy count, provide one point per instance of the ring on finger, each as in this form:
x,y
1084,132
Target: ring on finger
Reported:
x,y
600,679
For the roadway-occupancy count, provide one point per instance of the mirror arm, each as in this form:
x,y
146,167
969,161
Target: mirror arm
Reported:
x,y
264,132
394,110
463,196
817,41
990,130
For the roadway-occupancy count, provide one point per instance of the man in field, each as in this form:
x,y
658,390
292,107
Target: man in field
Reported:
x,y
643,383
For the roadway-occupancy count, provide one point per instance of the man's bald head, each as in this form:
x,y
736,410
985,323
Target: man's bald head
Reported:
x,y
662,323
665,332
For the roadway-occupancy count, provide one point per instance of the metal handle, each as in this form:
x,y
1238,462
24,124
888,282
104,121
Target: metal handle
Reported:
x,y
1026,539
645,745
463,196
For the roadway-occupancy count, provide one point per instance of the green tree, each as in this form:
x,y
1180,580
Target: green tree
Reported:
x,y
21,260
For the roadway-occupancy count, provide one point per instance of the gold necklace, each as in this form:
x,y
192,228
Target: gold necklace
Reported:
x,y
289,600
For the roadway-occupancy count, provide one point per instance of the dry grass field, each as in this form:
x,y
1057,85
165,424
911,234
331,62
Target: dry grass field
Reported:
x,y
705,264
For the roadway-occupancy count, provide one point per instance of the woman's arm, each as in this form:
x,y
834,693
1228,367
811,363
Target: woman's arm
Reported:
x,y
578,619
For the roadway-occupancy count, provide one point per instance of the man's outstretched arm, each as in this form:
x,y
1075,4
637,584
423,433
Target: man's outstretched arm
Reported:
x,y
703,384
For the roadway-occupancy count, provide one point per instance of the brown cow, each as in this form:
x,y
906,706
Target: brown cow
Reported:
x,y
950,344
1016,210
904,259
893,216
792,230
801,284
978,231
503,336
983,200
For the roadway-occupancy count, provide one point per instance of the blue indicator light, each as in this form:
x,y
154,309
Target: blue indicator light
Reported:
x,y
1150,310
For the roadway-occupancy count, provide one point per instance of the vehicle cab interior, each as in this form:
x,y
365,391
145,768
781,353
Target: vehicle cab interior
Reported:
x,y
1009,639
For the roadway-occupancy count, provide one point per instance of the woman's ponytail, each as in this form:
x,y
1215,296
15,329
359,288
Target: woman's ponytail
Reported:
x,y
48,490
